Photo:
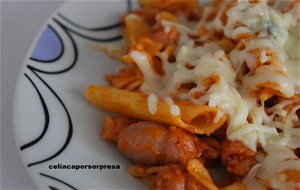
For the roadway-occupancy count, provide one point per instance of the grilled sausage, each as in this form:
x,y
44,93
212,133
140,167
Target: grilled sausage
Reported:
x,y
150,143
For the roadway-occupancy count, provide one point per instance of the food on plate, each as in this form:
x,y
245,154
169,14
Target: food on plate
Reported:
x,y
215,83
237,158
200,119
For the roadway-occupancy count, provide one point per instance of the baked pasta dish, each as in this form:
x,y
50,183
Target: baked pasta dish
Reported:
x,y
208,95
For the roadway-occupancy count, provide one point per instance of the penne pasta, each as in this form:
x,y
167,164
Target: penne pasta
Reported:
x,y
142,171
198,171
197,119
235,186
135,27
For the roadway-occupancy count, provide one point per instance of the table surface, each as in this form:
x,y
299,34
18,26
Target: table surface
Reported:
x,y
20,23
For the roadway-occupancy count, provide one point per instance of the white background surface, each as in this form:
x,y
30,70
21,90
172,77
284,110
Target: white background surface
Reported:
x,y
20,23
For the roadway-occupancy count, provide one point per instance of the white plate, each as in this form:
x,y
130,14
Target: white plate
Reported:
x,y
53,122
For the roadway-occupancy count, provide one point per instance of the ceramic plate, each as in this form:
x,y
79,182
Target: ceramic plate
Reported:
x,y
55,127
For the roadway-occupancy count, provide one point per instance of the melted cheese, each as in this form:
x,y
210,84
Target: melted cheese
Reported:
x,y
150,77
255,18
263,57
152,103
278,159
271,167
292,48
269,74
168,24
218,116
238,57
229,100
174,109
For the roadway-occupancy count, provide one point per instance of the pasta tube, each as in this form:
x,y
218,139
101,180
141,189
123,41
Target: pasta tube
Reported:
x,y
142,171
235,186
198,171
199,119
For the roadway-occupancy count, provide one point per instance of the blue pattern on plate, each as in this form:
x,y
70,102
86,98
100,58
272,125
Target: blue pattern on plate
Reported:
x,y
49,46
